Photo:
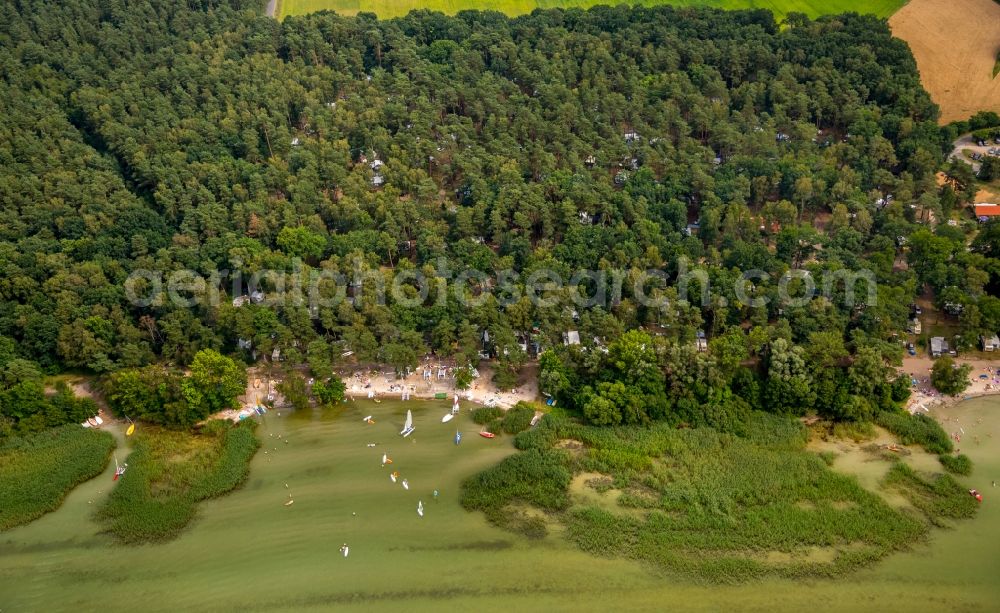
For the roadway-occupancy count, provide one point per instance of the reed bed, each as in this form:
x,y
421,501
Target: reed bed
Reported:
x,y
38,470
716,505
170,472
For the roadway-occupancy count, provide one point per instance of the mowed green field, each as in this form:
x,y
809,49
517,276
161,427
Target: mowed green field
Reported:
x,y
387,9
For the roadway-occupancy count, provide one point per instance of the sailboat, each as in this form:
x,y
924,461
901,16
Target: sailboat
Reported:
x,y
119,468
394,475
458,437
408,426
420,508
386,459
454,406
406,484
447,417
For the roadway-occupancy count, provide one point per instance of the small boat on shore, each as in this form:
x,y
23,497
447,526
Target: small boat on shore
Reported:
x,y
119,468
486,434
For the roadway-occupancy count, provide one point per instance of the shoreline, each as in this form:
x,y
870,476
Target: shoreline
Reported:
x,y
924,397
378,381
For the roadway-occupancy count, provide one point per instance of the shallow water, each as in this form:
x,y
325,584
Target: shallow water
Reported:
x,y
248,551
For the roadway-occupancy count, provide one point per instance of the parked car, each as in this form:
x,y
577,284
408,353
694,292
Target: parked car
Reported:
x,y
911,349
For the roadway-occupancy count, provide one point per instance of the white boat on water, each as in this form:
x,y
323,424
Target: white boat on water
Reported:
x,y
345,550
420,508
454,406
369,418
408,426
406,484
448,417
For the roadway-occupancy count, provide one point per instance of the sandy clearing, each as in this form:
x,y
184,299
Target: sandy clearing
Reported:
x,y
925,397
955,43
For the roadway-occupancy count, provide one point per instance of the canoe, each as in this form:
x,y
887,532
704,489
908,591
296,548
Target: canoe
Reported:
x,y
448,417
487,434
289,503
130,431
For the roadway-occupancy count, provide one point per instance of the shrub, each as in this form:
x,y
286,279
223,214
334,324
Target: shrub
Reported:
x,y
485,415
957,464
916,430
518,418
537,477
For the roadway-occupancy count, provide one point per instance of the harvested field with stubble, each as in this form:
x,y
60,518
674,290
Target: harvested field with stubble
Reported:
x,y
955,43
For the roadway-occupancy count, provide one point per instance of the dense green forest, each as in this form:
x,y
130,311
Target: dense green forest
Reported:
x,y
161,136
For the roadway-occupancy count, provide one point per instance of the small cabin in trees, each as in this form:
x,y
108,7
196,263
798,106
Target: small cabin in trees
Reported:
x,y
939,347
700,342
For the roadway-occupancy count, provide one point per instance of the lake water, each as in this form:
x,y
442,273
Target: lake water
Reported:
x,y
247,551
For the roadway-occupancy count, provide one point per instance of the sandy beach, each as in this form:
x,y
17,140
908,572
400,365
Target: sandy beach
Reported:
x,y
925,398
429,379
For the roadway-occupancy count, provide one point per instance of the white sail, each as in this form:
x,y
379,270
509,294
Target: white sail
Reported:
x,y
408,426
420,508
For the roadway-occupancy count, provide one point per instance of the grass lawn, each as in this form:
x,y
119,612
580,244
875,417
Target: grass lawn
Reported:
x,y
387,9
